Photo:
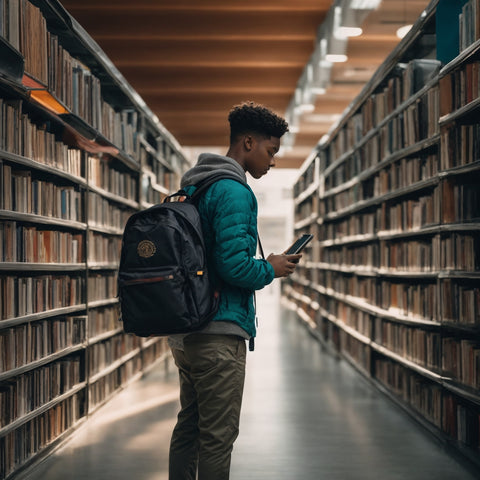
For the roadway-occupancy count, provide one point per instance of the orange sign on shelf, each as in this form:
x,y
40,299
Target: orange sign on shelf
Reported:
x,y
39,93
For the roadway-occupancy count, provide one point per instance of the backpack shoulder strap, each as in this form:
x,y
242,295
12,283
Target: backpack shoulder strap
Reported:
x,y
202,187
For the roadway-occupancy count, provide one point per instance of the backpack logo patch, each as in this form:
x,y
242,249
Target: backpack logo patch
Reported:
x,y
146,249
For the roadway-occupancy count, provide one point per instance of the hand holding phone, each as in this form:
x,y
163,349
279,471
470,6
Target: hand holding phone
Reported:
x,y
283,265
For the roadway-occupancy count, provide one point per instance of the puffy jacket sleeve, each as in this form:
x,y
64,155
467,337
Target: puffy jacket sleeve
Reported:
x,y
233,215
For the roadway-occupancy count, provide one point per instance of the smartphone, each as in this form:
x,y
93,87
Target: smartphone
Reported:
x,y
299,244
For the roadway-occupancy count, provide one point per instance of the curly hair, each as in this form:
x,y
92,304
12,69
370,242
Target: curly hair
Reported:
x,y
251,117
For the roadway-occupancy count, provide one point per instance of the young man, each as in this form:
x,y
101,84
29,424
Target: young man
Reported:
x,y
211,362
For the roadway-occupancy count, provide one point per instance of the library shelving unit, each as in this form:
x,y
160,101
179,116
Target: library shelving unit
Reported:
x,y
79,153
391,281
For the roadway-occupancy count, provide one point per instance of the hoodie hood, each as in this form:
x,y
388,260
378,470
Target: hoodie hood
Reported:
x,y
211,162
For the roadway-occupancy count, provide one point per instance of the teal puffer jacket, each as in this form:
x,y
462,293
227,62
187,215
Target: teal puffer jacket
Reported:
x,y
228,211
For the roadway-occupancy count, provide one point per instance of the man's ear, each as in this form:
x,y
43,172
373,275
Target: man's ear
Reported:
x,y
248,142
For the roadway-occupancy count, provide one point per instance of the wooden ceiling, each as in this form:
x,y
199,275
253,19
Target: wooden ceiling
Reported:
x,y
192,60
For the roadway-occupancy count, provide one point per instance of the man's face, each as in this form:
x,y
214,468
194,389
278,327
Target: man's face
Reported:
x,y
261,155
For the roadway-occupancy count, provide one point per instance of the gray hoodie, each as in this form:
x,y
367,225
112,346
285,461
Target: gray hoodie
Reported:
x,y
208,163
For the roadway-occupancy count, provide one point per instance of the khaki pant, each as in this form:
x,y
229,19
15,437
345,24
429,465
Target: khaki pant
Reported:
x,y
212,373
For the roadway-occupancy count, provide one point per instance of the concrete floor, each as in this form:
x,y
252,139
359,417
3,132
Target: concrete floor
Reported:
x,y
306,416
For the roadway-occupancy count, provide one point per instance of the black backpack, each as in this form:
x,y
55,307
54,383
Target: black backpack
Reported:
x,y
163,282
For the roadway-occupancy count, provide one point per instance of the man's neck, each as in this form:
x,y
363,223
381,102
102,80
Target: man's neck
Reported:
x,y
236,155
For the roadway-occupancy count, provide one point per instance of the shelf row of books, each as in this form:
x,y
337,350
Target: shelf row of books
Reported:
x,y
106,352
102,286
456,358
419,299
30,342
24,294
413,296
23,193
152,193
31,30
102,173
20,243
157,180
305,180
154,164
26,393
75,146
469,31
103,320
460,146
391,279
405,172
103,212
105,386
36,139
430,253
420,212
103,249
440,202
460,87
